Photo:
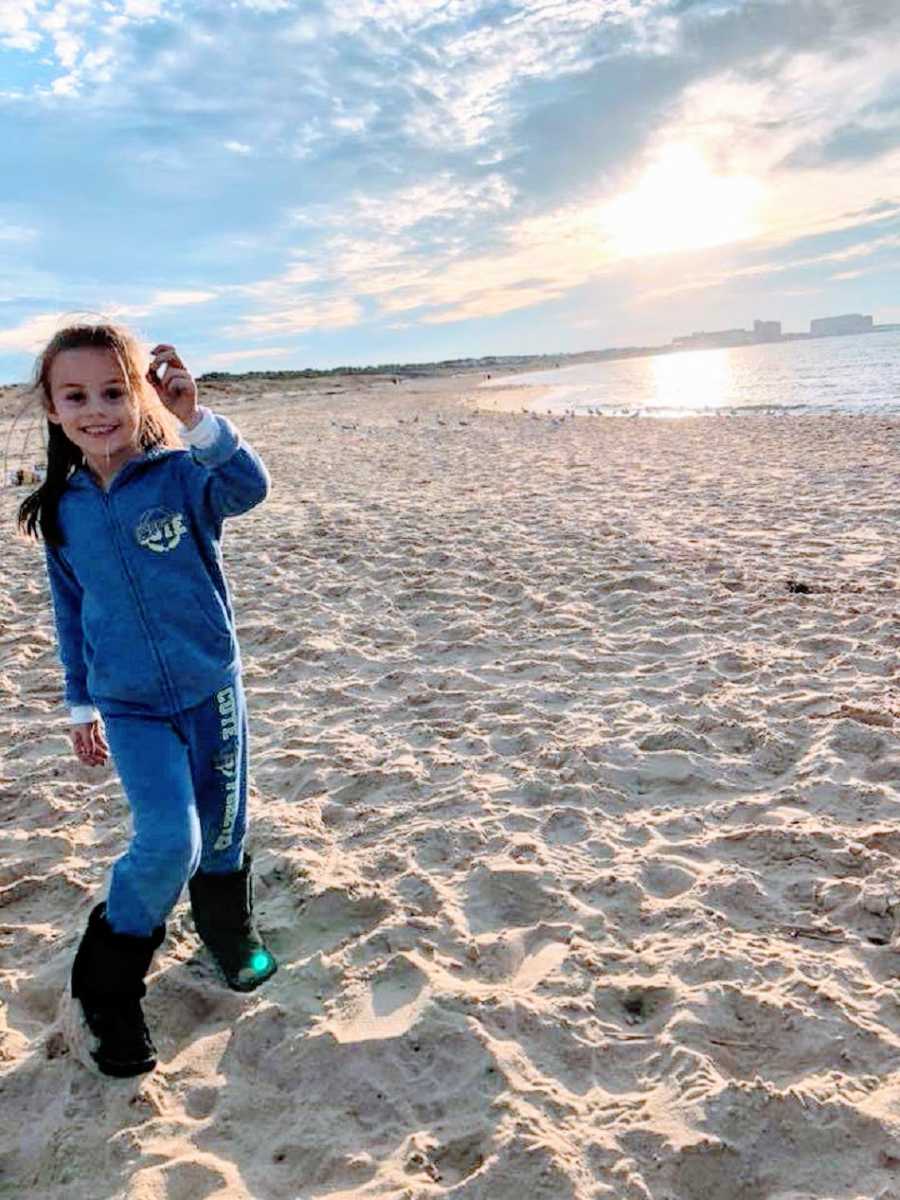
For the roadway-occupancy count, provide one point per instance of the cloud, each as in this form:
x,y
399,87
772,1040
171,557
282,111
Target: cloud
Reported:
x,y
262,354
19,234
17,25
792,262
31,334
141,10
851,143
334,312
179,299
81,37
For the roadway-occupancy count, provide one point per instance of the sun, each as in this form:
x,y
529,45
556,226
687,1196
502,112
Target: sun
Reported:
x,y
680,204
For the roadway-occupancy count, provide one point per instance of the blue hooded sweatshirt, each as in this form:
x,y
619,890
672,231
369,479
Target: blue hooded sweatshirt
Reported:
x,y
143,613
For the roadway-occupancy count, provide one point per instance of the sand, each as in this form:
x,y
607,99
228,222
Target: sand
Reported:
x,y
575,814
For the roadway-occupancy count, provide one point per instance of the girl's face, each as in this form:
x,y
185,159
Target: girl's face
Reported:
x,y
91,400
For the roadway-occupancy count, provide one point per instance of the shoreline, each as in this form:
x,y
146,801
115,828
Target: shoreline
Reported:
x,y
515,397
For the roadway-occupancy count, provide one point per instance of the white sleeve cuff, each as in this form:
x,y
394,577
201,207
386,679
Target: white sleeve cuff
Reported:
x,y
204,433
82,714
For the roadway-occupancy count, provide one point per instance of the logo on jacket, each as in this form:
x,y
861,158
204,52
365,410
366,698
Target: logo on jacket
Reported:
x,y
160,530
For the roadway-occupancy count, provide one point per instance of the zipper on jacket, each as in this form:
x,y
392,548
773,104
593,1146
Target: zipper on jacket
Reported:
x,y
168,686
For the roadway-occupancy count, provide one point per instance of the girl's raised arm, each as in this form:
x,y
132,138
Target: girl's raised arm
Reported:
x,y
234,479
229,474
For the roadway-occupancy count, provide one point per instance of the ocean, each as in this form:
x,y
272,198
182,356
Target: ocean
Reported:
x,y
857,374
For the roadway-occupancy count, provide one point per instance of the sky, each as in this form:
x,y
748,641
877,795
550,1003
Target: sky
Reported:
x,y
291,183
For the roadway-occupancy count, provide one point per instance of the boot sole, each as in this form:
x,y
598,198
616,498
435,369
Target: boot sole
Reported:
x,y
239,985
83,1044
250,985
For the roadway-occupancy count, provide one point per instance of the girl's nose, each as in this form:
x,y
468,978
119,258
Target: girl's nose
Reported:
x,y
97,403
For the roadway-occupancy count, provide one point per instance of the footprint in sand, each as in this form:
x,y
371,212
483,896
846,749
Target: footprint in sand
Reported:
x,y
503,898
389,1005
332,917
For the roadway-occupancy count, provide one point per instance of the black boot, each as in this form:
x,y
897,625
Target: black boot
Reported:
x,y
108,980
223,915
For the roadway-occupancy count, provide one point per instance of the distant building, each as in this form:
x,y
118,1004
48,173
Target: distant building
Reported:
x,y
718,337
767,331
848,323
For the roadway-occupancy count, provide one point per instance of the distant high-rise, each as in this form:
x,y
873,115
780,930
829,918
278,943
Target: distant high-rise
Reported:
x,y
767,331
848,323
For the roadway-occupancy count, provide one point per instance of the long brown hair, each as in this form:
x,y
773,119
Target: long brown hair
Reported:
x,y
40,510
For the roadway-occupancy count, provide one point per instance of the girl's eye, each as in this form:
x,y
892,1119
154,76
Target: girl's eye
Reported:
x,y
73,397
114,393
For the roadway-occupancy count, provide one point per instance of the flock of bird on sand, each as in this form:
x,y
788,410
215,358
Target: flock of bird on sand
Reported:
x,y
554,419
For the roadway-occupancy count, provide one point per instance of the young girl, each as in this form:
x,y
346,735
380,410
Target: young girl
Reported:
x,y
132,527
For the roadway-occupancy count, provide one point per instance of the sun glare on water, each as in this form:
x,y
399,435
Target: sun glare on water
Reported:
x,y
680,204
691,381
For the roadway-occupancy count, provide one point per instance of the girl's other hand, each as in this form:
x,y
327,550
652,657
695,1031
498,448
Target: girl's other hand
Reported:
x,y
90,744
176,388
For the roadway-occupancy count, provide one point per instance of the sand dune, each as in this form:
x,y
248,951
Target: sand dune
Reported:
x,y
575,809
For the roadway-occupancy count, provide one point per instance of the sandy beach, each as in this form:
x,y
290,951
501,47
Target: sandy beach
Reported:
x,y
575,809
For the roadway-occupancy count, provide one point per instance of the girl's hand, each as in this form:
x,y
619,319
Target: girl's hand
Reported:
x,y
176,388
89,743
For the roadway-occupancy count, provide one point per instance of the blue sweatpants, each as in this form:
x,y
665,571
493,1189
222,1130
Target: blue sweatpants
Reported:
x,y
185,777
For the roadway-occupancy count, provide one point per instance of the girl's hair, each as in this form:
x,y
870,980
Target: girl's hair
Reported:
x,y
40,510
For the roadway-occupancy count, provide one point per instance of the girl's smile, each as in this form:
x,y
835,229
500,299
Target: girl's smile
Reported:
x,y
99,430
92,402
